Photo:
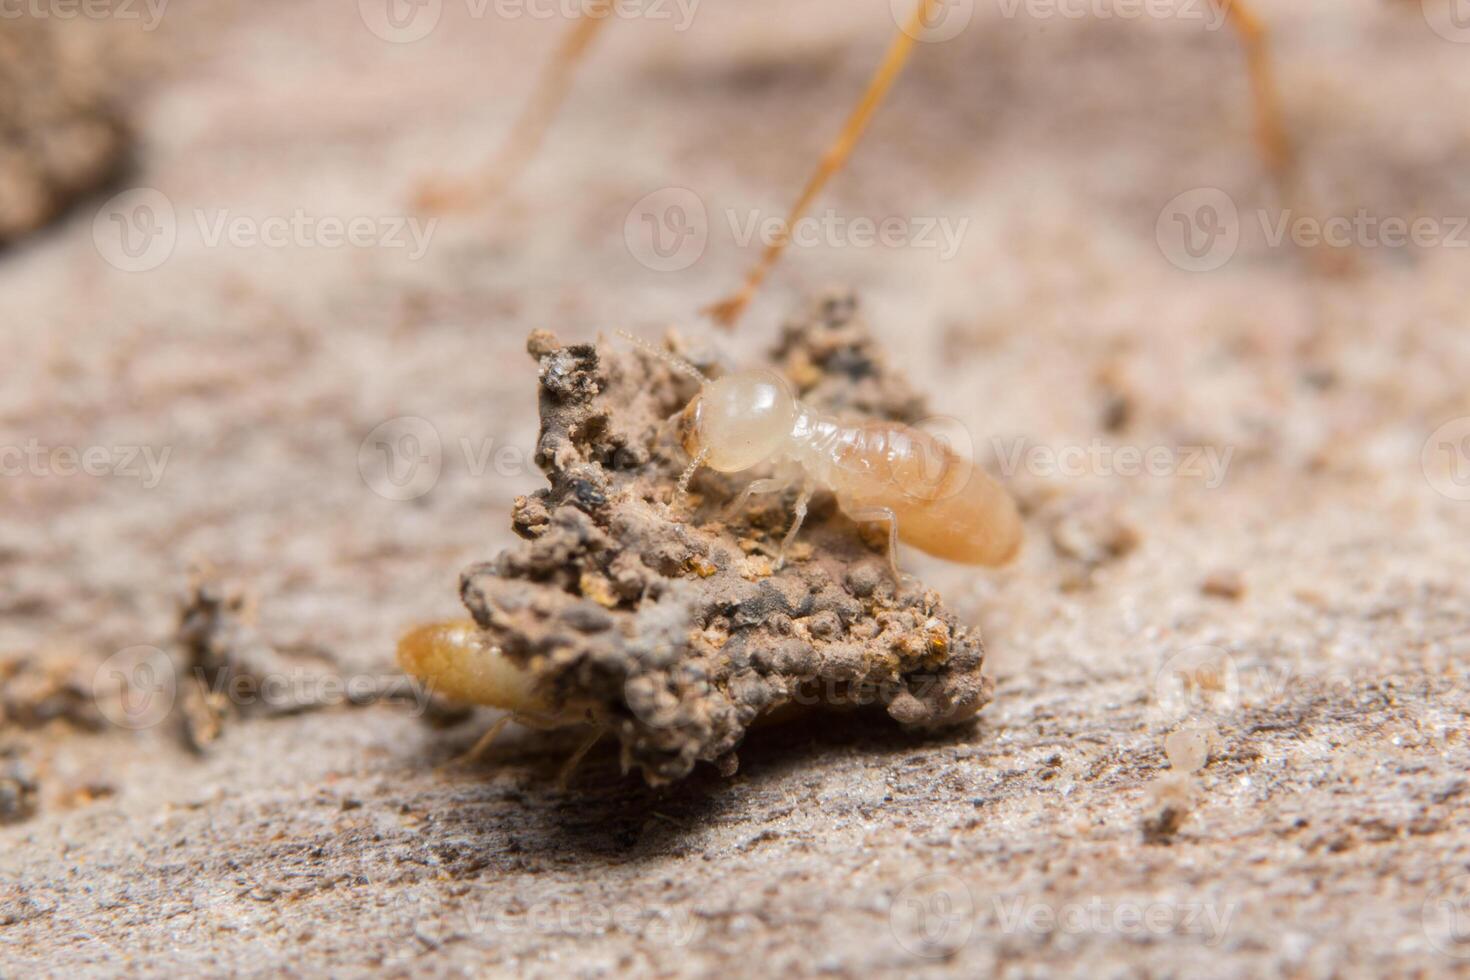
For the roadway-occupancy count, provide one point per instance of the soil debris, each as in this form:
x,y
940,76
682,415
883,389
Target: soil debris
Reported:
x,y
19,790
1088,533
38,689
1172,798
1223,583
668,624
219,646
228,668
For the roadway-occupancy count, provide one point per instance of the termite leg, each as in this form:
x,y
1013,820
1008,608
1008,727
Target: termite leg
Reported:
x,y
481,746
565,776
801,501
773,484
530,126
483,743
1271,131
690,470
728,310
883,514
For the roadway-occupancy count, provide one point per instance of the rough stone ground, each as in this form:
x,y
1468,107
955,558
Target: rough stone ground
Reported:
x,y
1324,836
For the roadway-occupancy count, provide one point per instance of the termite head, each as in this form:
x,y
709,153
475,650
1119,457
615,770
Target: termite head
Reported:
x,y
739,421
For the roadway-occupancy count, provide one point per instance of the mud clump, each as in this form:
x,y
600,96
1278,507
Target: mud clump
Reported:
x,y
62,133
667,621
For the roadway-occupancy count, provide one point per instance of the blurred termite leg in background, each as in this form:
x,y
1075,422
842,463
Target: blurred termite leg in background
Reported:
x,y
564,776
727,311
529,130
1271,134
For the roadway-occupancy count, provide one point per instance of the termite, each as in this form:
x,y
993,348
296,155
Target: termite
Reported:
x,y
457,660
929,495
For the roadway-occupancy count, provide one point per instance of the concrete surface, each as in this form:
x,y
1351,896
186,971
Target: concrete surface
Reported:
x,y
1317,565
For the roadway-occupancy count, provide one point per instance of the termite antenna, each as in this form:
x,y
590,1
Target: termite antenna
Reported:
x,y
691,469
672,360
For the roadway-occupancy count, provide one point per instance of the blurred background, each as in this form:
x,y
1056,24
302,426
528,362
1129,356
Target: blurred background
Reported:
x,y
1235,414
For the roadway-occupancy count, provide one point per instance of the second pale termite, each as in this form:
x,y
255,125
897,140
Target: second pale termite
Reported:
x,y
930,496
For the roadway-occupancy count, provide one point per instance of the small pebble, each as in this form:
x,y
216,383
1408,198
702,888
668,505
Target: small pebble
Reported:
x,y
1188,749
19,792
1224,583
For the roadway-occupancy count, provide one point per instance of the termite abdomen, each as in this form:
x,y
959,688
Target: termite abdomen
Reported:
x,y
943,503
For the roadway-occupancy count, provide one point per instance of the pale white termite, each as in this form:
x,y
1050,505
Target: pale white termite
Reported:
x,y
929,495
